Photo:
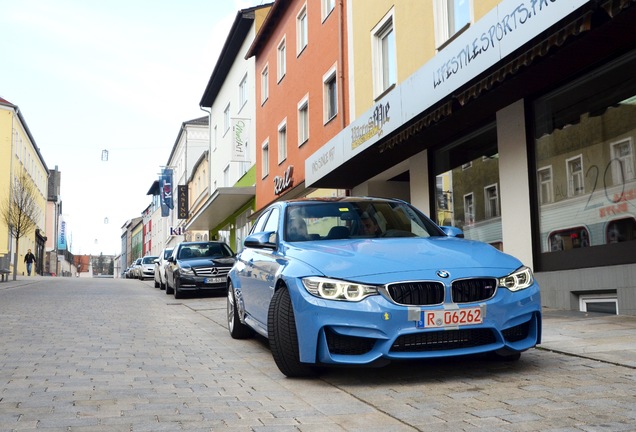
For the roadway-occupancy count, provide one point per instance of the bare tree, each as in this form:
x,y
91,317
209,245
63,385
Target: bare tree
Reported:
x,y
20,211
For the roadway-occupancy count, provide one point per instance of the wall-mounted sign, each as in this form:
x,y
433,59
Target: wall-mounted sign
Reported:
x,y
240,137
285,182
182,203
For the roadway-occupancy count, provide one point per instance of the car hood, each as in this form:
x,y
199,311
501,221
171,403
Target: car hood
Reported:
x,y
382,260
207,262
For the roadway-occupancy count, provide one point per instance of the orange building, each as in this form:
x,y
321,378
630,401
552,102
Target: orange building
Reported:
x,y
301,90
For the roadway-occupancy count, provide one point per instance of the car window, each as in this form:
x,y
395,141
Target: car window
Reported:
x,y
272,221
355,219
167,253
260,222
149,259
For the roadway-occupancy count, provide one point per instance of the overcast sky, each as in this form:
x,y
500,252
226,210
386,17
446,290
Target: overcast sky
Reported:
x,y
116,75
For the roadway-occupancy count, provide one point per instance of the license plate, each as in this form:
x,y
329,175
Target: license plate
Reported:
x,y
214,280
451,318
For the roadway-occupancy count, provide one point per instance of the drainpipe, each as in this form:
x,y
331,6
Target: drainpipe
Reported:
x,y
341,62
209,149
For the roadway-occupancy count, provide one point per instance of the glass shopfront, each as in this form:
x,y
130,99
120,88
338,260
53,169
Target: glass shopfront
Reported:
x,y
467,186
585,160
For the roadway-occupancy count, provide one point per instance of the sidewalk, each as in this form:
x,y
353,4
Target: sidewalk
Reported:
x,y
607,338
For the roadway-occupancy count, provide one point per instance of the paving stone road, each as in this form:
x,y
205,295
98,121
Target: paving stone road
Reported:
x,y
119,355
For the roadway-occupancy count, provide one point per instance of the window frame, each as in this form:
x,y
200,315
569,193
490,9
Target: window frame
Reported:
x,y
327,7
242,93
572,175
550,185
303,120
469,218
226,119
283,141
384,60
265,158
618,176
488,201
330,110
264,84
446,28
302,30
281,59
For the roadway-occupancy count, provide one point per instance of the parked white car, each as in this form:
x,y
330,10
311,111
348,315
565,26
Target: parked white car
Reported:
x,y
160,268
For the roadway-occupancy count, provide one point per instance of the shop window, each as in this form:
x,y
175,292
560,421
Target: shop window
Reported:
x,y
570,238
621,230
584,133
469,198
599,303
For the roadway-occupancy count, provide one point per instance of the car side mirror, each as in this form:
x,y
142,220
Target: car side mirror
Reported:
x,y
452,231
170,259
263,240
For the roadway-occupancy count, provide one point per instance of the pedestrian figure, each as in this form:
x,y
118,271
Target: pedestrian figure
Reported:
x,y
29,259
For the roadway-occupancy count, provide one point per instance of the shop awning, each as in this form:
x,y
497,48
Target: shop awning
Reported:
x,y
221,205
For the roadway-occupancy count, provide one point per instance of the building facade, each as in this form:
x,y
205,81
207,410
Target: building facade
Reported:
x,y
223,200
19,154
301,55
515,127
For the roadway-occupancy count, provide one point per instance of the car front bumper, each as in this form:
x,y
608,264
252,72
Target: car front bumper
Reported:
x,y
375,329
195,283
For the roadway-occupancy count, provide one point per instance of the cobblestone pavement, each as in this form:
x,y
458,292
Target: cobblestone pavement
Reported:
x,y
119,355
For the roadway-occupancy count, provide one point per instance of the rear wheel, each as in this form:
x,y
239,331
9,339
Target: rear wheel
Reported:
x,y
237,329
283,337
156,284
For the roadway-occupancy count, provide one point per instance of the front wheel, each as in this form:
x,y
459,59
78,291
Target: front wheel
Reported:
x,y
169,289
237,329
283,337
178,294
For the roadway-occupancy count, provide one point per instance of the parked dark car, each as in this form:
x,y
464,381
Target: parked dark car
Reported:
x,y
198,266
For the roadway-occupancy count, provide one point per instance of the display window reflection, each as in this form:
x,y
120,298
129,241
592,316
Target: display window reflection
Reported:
x,y
585,163
467,186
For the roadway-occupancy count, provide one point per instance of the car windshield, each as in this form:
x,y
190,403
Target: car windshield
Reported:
x,y
204,250
149,259
318,220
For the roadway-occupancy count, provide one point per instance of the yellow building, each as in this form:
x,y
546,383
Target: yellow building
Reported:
x,y
19,153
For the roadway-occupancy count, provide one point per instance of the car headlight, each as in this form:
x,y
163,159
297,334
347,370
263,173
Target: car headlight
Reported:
x,y
334,289
187,271
519,279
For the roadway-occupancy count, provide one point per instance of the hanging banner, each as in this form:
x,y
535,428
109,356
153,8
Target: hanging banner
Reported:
x,y
61,238
240,137
165,185
182,207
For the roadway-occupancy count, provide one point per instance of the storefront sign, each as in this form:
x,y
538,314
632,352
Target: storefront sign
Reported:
x,y
285,182
373,126
61,240
240,137
182,207
177,231
165,186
